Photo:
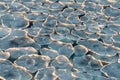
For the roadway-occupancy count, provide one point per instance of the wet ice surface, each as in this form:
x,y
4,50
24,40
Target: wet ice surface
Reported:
x,y
59,39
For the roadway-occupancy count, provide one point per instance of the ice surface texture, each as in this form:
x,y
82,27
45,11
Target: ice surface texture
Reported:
x,y
59,39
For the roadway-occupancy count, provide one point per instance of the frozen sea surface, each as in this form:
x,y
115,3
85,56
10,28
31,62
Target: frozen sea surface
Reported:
x,y
59,39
